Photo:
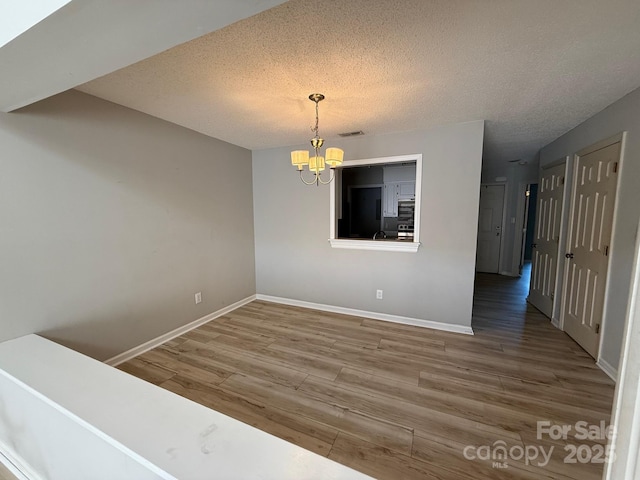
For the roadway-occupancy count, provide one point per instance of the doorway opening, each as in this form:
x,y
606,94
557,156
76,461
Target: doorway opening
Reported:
x,y
528,228
365,210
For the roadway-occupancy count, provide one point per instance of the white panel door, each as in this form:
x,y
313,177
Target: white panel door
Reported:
x,y
588,246
490,228
546,238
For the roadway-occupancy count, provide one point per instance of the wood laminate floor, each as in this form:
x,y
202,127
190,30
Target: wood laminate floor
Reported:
x,y
396,401
5,473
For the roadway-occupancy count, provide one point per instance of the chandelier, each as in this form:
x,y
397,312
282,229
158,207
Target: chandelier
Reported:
x,y
333,156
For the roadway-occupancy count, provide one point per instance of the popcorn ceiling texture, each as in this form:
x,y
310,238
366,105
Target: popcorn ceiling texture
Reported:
x,y
532,69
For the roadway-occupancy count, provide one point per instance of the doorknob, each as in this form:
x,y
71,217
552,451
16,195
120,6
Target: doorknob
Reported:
x,y
568,255
534,245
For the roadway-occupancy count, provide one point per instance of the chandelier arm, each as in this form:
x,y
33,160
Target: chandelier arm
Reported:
x,y
331,177
313,182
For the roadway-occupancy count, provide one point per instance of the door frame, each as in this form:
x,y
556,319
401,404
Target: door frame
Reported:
x,y
503,222
558,294
620,137
525,225
518,234
523,207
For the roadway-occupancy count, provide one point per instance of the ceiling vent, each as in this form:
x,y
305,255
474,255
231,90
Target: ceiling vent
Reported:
x,y
351,134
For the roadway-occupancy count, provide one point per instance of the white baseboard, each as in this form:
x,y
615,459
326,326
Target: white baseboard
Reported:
x,y
145,347
606,367
153,343
16,465
374,315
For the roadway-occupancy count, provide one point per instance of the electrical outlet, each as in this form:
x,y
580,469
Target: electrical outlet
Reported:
x,y
379,294
198,298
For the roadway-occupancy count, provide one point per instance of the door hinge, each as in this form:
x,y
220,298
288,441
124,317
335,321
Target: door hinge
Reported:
x,y
597,328
562,181
606,250
615,167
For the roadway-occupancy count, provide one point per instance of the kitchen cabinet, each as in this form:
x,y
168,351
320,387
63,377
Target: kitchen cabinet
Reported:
x,y
390,200
394,191
406,190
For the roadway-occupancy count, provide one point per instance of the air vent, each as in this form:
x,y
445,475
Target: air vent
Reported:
x,y
351,134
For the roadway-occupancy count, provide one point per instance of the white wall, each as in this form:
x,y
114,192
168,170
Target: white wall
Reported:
x,y
623,115
294,259
111,220
626,406
20,16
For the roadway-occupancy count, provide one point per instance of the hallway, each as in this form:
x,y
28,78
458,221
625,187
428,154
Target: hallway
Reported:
x,y
502,300
554,368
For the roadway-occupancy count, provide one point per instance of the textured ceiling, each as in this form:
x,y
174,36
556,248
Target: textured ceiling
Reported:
x,y
532,69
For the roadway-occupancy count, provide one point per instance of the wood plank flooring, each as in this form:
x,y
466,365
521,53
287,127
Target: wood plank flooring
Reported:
x,y
5,473
390,400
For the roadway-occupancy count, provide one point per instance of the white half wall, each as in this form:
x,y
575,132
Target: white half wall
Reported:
x,y
623,115
110,222
44,441
73,418
294,259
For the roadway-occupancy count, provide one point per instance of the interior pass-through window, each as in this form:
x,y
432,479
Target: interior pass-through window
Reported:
x,y
375,204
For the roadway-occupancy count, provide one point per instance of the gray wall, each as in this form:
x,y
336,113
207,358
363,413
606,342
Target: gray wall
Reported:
x,y
294,259
111,220
624,115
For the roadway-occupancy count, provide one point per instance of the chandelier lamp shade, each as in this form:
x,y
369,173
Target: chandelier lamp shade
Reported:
x,y
333,157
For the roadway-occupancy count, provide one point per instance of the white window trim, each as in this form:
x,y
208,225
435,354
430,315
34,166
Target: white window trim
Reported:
x,y
389,246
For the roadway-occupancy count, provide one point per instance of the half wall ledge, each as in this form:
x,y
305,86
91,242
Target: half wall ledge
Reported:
x,y
66,416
